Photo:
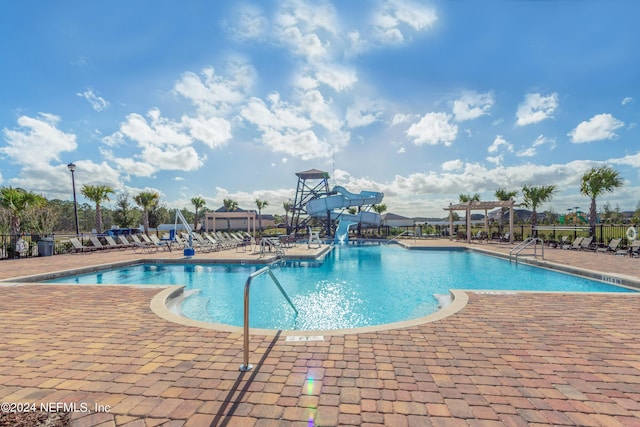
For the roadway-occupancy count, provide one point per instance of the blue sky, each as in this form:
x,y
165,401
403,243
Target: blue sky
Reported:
x,y
422,100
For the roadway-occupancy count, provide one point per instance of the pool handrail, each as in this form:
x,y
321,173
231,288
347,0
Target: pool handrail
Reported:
x,y
525,244
247,289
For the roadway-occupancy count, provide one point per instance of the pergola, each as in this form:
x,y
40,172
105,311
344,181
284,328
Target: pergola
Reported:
x,y
479,206
249,216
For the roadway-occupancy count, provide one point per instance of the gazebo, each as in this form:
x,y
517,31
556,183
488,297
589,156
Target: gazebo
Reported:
x,y
479,206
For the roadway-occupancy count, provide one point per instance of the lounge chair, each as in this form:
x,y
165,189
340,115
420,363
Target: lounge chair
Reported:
x,y
112,244
613,246
97,243
634,249
575,244
164,244
78,247
125,243
585,244
141,247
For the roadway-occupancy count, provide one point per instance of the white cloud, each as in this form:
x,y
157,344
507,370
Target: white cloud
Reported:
x,y
496,160
627,100
599,127
403,118
301,130
452,165
40,137
249,22
472,105
433,129
498,143
363,112
338,77
97,102
214,94
394,14
214,131
164,144
536,108
539,141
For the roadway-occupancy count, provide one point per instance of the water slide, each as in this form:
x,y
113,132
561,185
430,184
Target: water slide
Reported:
x,y
340,199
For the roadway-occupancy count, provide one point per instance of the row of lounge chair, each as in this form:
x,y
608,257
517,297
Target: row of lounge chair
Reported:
x,y
204,242
586,243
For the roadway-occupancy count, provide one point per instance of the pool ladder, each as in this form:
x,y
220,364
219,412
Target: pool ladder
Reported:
x,y
247,289
526,244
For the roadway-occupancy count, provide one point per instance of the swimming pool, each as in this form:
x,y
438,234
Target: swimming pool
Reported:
x,y
354,286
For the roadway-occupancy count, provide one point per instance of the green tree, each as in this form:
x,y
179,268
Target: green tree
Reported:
x,y
146,200
199,203
97,194
230,205
125,215
534,196
261,204
469,198
596,182
16,202
287,208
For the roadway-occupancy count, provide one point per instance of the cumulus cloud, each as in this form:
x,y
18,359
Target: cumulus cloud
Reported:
x,y
301,129
215,94
249,22
498,143
472,105
390,19
37,140
536,108
539,141
97,102
164,144
452,165
599,127
433,129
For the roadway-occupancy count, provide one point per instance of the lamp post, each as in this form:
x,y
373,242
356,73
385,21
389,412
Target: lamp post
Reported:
x,y
576,215
72,168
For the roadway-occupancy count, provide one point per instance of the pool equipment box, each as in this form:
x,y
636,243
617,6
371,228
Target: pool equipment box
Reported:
x,y
189,252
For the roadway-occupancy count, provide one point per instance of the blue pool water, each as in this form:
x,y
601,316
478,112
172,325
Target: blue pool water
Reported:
x,y
355,286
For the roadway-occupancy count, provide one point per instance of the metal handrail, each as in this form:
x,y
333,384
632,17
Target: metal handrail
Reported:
x,y
525,244
396,236
247,288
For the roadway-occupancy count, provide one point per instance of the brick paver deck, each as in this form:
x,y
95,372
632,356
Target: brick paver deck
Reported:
x,y
516,359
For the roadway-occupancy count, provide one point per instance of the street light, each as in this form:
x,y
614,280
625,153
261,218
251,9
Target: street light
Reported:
x,y
72,168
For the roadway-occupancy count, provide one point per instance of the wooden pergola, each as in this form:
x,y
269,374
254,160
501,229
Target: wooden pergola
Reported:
x,y
480,206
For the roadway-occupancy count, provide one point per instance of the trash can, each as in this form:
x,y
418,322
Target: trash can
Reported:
x,y
45,246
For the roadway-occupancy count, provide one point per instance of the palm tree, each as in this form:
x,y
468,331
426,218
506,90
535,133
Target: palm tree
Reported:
x,y
504,195
595,182
230,205
146,200
534,197
469,198
16,201
199,203
260,204
287,208
379,209
97,194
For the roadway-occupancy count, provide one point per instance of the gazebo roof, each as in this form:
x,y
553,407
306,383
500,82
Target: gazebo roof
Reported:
x,y
313,174
478,205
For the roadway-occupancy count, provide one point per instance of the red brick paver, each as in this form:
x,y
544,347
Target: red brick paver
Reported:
x,y
517,359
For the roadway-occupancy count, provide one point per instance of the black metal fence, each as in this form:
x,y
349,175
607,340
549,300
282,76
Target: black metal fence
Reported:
x,y
33,245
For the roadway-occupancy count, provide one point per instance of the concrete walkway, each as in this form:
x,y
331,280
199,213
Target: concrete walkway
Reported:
x,y
504,359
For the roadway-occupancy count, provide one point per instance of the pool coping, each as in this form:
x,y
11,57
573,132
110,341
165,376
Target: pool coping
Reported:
x,y
165,302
